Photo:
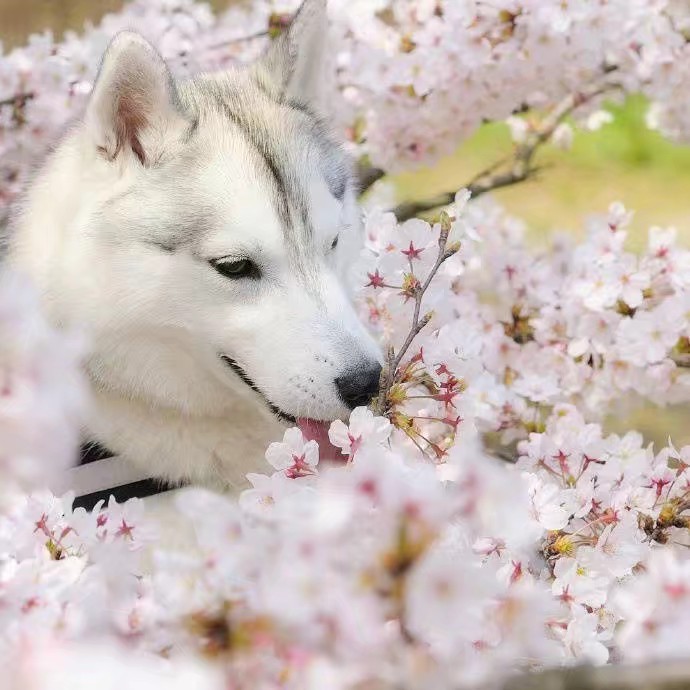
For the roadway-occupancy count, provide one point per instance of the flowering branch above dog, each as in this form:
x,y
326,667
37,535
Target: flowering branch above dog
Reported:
x,y
398,69
532,135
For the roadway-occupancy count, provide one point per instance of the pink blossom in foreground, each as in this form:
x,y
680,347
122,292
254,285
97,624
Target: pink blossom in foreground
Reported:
x,y
421,546
42,391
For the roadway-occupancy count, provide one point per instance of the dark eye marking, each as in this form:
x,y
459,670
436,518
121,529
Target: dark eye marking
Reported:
x,y
236,269
334,244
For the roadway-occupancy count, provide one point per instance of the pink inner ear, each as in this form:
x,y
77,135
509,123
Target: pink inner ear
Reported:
x,y
130,118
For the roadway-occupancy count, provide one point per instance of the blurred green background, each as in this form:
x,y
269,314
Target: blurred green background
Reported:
x,y
623,161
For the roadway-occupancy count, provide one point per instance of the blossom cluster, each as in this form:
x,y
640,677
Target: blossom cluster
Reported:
x,y
409,79
42,392
419,559
588,324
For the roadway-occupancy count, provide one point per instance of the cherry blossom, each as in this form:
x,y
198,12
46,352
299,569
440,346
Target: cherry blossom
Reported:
x,y
41,386
395,69
295,456
363,428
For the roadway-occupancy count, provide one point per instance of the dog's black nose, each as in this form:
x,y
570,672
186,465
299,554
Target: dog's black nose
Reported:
x,y
359,386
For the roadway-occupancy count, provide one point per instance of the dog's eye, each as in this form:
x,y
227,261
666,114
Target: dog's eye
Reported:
x,y
334,244
241,268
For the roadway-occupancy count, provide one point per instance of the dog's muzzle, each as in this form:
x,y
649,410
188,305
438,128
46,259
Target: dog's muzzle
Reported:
x,y
242,374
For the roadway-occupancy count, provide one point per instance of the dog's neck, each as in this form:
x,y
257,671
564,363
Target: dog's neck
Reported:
x,y
178,414
176,445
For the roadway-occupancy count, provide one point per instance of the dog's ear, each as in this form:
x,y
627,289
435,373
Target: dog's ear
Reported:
x,y
292,68
134,102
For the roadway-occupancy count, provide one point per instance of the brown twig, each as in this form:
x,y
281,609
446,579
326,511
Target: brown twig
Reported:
x,y
522,167
18,100
393,360
240,39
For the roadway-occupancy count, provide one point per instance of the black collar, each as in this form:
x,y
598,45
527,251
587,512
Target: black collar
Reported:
x,y
96,460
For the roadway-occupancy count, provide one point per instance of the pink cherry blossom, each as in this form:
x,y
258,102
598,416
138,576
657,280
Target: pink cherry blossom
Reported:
x,y
364,428
295,456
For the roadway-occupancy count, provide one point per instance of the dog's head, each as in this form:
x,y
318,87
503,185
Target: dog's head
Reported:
x,y
224,217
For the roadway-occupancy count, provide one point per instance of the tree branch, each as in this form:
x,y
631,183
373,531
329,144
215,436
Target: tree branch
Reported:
x,y
18,100
393,360
522,167
240,39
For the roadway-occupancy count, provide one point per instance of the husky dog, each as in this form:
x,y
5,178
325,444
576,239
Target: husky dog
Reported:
x,y
200,232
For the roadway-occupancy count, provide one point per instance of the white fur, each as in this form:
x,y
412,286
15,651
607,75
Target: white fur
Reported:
x,y
92,233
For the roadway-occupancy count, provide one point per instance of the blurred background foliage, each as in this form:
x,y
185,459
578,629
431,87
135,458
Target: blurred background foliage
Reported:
x,y
622,161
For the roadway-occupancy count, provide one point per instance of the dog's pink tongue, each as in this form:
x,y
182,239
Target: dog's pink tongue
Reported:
x,y
314,430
